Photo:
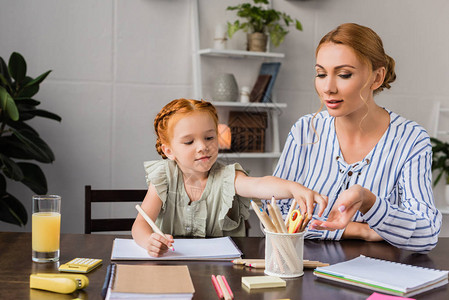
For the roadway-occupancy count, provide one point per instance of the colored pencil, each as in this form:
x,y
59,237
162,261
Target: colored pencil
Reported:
x,y
227,286
217,287
222,285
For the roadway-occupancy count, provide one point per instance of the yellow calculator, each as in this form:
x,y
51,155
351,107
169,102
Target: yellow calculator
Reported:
x,y
80,265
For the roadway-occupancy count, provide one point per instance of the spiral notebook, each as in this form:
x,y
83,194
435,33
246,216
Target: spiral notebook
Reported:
x,y
384,276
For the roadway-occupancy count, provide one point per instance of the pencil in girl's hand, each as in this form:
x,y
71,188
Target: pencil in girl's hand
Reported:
x,y
151,223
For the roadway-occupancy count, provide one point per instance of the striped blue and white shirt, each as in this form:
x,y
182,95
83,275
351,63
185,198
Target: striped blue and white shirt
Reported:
x,y
397,171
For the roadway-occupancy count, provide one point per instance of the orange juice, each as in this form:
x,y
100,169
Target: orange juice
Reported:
x,y
45,231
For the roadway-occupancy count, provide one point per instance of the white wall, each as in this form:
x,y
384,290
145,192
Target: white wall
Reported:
x,y
116,63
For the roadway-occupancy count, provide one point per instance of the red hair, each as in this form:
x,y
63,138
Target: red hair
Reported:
x,y
367,46
164,121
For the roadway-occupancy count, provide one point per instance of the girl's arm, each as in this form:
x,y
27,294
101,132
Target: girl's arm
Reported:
x,y
155,244
268,186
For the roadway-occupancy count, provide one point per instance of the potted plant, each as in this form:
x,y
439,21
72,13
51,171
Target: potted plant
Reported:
x,y
440,163
19,142
261,20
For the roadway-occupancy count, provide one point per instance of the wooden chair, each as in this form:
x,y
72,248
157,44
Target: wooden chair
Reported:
x,y
109,196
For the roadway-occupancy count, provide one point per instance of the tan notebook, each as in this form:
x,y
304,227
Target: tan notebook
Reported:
x,y
150,281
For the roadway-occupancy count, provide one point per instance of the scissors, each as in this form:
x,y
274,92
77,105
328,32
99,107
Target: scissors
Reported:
x,y
295,221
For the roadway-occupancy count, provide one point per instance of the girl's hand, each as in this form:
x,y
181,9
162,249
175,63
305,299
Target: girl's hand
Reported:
x,y
354,199
157,244
307,199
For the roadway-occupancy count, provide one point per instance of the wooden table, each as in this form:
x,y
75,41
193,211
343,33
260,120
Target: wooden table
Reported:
x,y
16,266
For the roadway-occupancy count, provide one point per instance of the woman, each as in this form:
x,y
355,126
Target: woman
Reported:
x,y
374,165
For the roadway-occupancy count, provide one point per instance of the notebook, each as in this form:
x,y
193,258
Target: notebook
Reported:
x,y
263,282
150,282
384,276
185,249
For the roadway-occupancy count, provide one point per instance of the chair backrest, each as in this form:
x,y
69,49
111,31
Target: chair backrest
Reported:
x,y
109,196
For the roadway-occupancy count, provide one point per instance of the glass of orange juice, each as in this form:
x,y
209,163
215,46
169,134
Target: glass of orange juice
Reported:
x,y
46,228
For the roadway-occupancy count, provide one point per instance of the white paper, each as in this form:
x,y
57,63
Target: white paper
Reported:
x,y
185,249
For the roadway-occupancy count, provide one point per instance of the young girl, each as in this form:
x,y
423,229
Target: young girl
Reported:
x,y
190,193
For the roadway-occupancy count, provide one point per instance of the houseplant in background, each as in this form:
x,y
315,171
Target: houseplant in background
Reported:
x,y
440,163
19,142
261,20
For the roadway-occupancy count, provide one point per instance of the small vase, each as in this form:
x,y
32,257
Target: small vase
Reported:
x,y
257,42
225,88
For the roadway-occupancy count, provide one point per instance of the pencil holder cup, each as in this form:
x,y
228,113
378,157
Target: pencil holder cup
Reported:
x,y
284,254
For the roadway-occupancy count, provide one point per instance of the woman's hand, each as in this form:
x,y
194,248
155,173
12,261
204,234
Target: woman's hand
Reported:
x,y
354,199
157,244
361,231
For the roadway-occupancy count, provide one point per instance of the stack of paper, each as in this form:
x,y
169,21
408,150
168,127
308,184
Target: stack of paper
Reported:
x,y
150,282
185,249
384,276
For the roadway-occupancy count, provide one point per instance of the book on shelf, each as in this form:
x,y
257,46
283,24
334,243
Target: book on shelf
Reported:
x,y
269,68
259,88
222,248
149,282
384,276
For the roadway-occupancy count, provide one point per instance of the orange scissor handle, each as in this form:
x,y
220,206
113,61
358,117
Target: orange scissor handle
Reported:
x,y
295,221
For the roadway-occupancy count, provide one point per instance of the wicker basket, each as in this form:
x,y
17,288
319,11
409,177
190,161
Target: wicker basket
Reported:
x,y
247,131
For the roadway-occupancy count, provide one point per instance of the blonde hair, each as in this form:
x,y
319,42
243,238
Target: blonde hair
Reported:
x,y
164,121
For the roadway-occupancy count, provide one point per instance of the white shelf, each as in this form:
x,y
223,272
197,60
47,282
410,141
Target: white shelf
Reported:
x,y
250,155
269,105
239,53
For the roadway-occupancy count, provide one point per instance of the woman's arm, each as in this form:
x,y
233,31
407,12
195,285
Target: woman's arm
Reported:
x,y
413,224
268,186
142,233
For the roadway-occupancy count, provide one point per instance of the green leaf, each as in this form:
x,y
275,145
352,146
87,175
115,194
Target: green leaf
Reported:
x,y
33,177
45,114
3,97
298,25
4,72
35,146
10,168
2,184
20,125
233,28
17,67
38,79
12,147
8,104
12,210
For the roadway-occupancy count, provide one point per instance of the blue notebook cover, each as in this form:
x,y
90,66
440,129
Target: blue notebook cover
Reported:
x,y
270,68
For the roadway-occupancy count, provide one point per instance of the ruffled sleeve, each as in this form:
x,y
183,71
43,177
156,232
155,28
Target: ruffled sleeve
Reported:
x,y
235,209
156,174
